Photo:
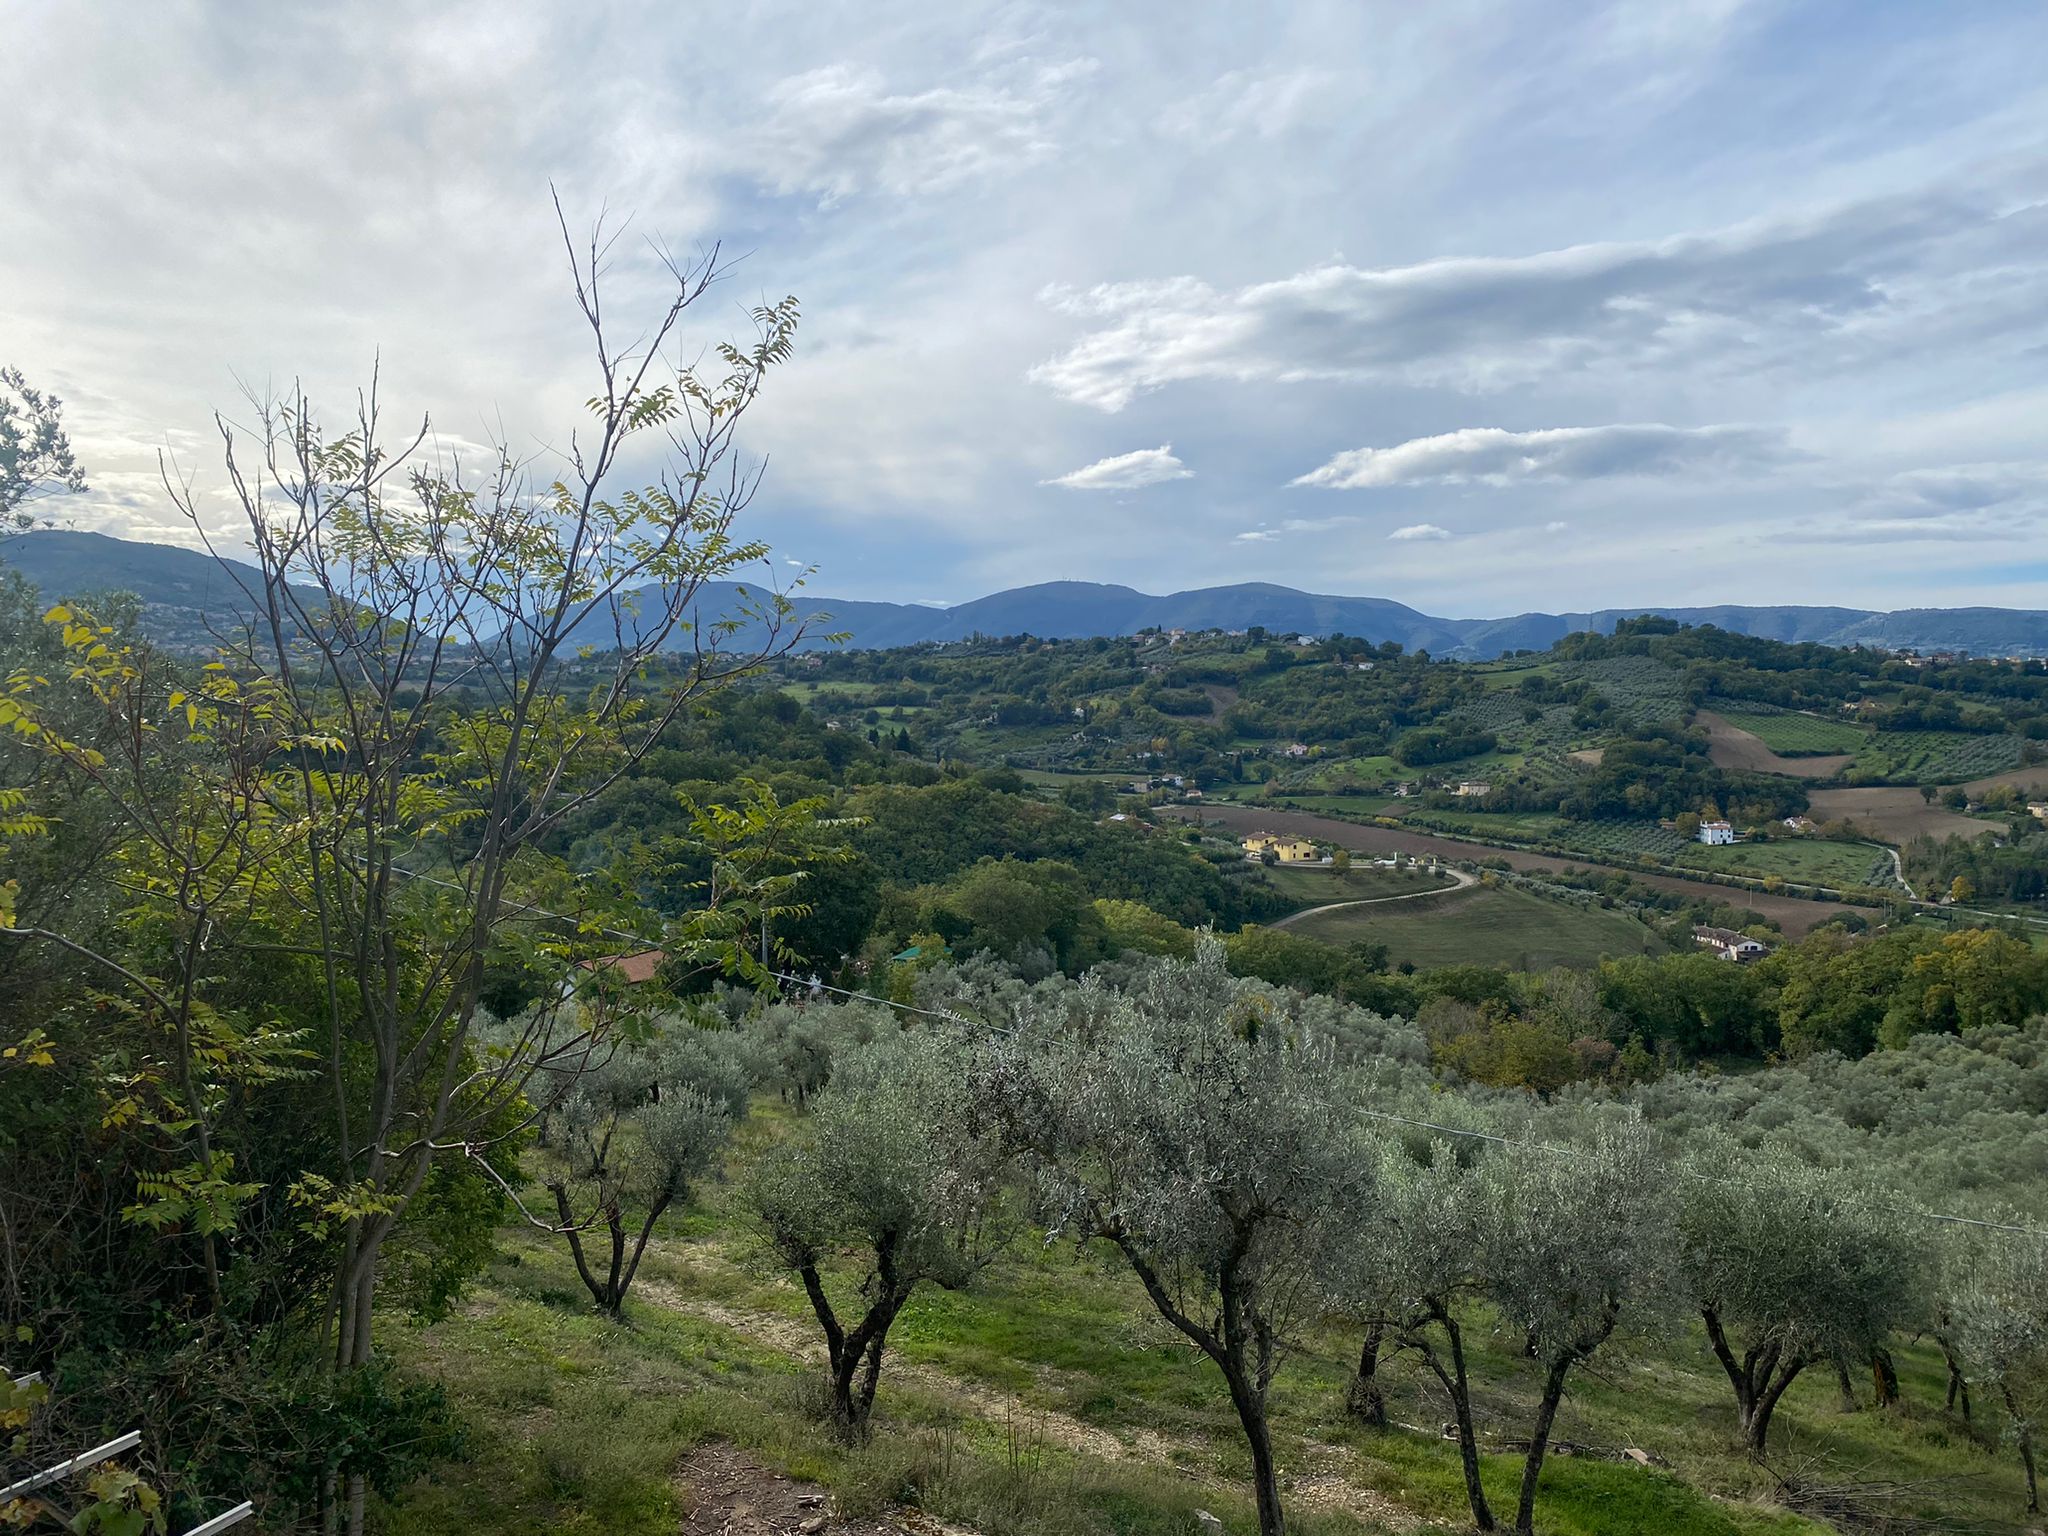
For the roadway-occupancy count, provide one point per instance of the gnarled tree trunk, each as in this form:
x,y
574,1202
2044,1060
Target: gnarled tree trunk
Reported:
x,y
1363,1399
1759,1378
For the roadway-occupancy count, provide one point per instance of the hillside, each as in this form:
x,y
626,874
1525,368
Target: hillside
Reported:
x,y
179,587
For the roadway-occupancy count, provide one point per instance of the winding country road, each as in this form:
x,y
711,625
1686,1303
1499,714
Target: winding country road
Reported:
x,y
1460,881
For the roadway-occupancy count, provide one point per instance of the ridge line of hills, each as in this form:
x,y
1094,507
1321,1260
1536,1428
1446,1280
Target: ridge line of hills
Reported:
x,y
178,587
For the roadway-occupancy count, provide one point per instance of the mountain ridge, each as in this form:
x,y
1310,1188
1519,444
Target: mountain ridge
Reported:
x,y
180,588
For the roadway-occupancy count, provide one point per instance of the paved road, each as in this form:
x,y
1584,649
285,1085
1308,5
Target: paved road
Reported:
x,y
1460,881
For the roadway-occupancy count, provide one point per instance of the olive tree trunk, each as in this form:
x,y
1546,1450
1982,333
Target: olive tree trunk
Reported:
x,y
1759,1378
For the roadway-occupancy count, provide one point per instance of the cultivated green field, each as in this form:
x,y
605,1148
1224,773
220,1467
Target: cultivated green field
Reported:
x,y
1313,887
1790,734
1049,1401
1794,859
1488,927
1507,826
1937,756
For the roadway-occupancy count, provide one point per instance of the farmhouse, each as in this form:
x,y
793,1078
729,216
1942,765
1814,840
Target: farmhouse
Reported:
x,y
1716,832
632,970
1297,749
1730,945
1472,788
1288,850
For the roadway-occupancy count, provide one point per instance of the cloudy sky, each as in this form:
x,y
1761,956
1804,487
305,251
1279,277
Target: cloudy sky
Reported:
x,y
1483,307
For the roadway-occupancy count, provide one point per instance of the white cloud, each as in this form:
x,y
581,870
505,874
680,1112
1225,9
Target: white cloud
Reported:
x,y
839,129
1256,536
1556,525
1493,456
1126,471
1758,291
1420,531
1247,102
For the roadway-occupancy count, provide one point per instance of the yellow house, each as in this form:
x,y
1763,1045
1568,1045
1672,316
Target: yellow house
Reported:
x,y
1288,850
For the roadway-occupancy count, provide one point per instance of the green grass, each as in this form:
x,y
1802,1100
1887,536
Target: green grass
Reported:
x,y
1800,860
1790,734
1313,887
1325,805
1489,927
1049,1399
1506,826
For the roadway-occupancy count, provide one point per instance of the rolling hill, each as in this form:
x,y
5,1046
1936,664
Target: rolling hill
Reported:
x,y
181,588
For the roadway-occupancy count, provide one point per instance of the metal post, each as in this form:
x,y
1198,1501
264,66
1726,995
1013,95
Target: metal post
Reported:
x,y
78,1463
221,1522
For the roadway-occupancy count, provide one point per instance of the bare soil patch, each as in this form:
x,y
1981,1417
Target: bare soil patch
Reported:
x,y
1794,914
1592,757
1741,751
731,1494
1893,814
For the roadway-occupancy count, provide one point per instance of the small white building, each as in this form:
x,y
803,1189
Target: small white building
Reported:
x,y
1716,833
1727,944
1297,749
1472,788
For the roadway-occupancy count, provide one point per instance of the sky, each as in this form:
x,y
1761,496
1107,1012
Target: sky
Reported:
x,y
1486,308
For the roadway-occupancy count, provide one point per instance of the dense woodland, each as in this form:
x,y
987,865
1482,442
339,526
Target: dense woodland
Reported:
x,y
307,953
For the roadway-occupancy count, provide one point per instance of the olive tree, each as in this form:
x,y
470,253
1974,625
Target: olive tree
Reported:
x,y
627,1140
1999,1320
893,1164
1413,1268
1788,1265
1192,1124
1577,1239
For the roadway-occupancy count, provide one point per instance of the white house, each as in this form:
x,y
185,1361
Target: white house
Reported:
x,y
1474,787
1297,749
1730,945
1716,832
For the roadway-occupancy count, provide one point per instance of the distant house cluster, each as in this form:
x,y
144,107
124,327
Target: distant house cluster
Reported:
x,y
1288,850
1727,944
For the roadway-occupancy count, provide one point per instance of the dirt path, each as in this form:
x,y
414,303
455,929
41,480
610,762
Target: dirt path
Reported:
x,y
1460,881
1743,751
728,1486
1795,915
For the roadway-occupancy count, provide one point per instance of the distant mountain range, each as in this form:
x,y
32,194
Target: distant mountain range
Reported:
x,y
179,588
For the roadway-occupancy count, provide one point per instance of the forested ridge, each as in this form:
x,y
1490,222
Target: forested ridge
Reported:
x,y
454,1071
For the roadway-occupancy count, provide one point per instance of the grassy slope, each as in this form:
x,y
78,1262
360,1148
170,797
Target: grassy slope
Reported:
x,y
1314,887
1489,927
1049,1399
